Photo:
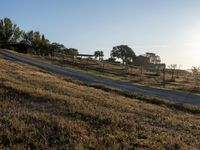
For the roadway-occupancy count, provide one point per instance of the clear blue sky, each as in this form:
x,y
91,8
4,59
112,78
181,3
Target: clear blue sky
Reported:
x,y
170,28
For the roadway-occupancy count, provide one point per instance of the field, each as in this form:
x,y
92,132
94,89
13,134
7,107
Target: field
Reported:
x,y
40,110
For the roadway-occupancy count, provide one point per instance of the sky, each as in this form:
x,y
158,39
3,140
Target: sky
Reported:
x,y
169,28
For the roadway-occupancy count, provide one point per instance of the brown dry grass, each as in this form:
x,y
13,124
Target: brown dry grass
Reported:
x,y
39,110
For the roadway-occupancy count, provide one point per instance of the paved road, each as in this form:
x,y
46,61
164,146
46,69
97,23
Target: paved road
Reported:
x,y
180,97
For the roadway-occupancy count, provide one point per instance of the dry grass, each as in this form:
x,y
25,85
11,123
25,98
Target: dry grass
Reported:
x,y
39,110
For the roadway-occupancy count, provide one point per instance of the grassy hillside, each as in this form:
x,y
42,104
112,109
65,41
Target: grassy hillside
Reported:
x,y
39,110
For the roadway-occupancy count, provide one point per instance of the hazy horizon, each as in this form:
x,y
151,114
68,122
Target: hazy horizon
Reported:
x,y
170,28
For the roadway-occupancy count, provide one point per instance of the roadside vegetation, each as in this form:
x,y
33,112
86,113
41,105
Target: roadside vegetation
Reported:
x,y
40,110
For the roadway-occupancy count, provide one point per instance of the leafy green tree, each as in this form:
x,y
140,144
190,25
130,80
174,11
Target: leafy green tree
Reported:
x,y
44,46
40,43
17,35
123,52
71,52
56,48
9,32
99,54
141,60
28,36
37,39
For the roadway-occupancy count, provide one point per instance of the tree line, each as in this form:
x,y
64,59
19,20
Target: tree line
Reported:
x,y
128,56
11,34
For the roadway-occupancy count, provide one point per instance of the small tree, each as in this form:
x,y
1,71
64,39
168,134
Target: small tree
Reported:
x,y
57,48
123,52
9,32
141,60
72,52
196,75
99,54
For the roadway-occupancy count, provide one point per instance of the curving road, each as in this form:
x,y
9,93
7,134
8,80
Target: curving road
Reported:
x,y
180,97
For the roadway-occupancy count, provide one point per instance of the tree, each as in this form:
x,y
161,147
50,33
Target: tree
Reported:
x,y
37,40
123,52
17,35
28,36
40,43
141,60
71,52
172,68
44,46
56,48
9,32
153,58
99,54
196,75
